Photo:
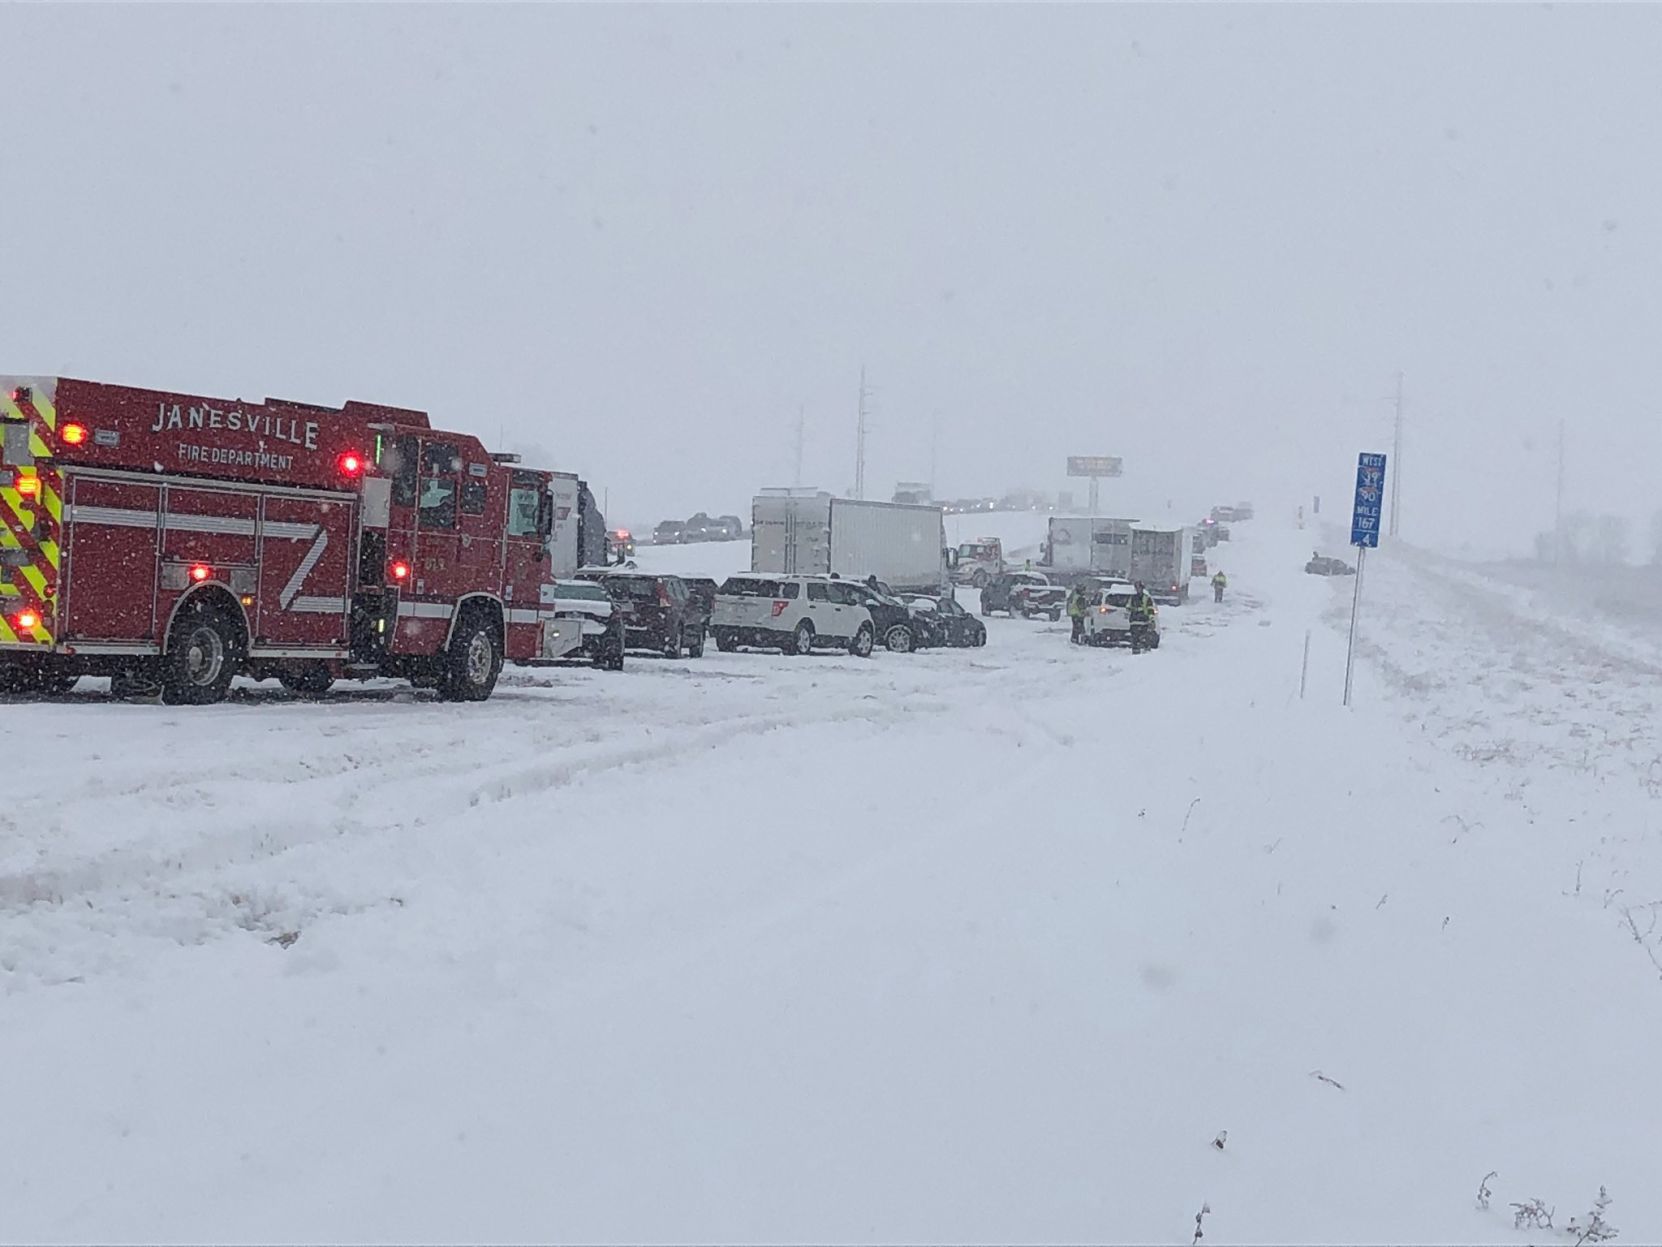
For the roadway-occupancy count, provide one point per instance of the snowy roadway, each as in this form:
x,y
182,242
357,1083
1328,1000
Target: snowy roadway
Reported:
x,y
973,945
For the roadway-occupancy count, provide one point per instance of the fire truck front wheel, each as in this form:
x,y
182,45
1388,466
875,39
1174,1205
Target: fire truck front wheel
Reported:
x,y
473,661
204,651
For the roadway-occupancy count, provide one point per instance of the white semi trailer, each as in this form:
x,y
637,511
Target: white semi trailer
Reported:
x,y
808,532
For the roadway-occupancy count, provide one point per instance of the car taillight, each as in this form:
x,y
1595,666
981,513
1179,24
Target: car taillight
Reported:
x,y
779,608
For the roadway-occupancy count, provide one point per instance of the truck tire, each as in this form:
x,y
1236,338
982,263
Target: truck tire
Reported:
x,y
472,662
802,640
726,641
862,643
311,680
204,650
695,647
899,639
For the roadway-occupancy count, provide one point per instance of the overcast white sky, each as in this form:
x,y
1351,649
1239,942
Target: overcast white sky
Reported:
x,y
1204,238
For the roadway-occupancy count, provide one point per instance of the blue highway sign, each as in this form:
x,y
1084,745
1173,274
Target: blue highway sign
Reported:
x,y
1370,501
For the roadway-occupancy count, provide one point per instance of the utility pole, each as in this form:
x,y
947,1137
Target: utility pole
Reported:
x,y
860,441
1396,464
801,429
1558,504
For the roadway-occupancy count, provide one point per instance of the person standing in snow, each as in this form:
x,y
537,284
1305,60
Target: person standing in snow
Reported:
x,y
1141,612
1076,613
1220,582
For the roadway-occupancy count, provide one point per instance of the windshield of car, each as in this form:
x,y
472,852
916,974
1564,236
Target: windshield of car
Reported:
x,y
583,590
756,587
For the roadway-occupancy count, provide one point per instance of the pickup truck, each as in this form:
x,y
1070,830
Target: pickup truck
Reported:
x,y
1025,594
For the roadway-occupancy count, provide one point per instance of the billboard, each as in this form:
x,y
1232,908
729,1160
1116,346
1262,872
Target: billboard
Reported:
x,y
1094,465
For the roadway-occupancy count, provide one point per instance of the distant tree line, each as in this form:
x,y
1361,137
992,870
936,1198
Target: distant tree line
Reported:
x,y
1596,540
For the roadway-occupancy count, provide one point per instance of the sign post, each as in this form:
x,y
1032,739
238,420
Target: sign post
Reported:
x,y
1364,535
1096,467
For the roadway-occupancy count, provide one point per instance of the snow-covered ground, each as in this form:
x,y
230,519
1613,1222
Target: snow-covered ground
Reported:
x,y
975,946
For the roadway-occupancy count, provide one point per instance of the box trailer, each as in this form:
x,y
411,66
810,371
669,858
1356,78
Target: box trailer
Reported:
x,y
1078,546
1162,558
795,532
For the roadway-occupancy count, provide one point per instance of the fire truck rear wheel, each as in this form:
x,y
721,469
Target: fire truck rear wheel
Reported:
x,y
204,651
473,661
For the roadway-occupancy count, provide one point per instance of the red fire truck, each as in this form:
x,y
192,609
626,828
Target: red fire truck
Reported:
x,y
171,541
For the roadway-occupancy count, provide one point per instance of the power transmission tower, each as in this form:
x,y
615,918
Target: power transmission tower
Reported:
x,y
1396,463
860,441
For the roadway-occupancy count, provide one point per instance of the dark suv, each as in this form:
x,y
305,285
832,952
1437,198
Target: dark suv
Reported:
x,y
703,591
895,626
658,612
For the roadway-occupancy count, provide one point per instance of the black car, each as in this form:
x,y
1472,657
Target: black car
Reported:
x,y
940,621
1320,565
889,616
660,614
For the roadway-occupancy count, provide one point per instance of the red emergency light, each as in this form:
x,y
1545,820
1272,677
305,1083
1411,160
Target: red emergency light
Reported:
x,y
72,434
351,463
200,572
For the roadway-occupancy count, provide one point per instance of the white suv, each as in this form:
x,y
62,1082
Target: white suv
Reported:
x,y
792,613
1108,616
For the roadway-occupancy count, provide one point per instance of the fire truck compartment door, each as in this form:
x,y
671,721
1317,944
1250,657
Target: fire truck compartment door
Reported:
x,y
561,637
306,552
114,540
